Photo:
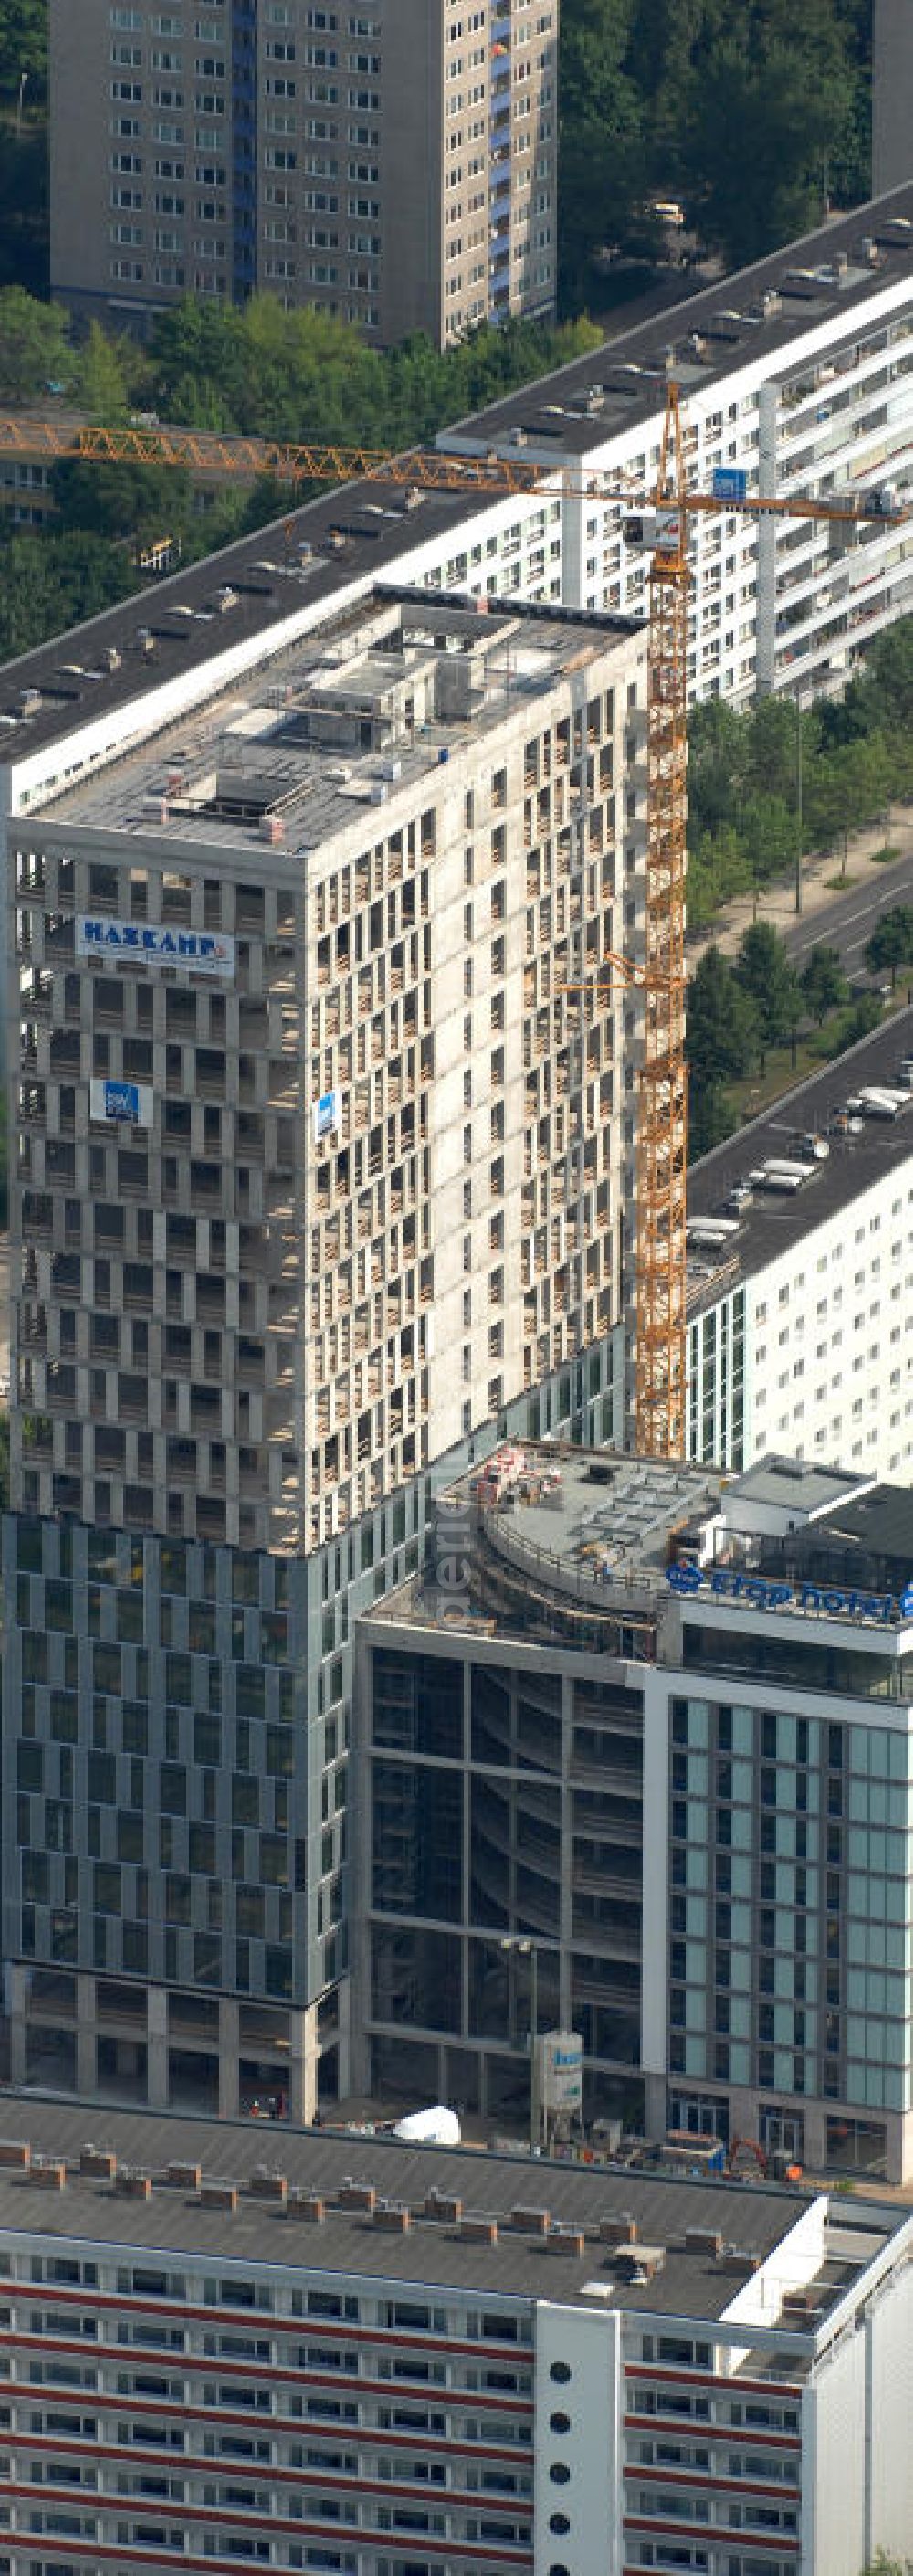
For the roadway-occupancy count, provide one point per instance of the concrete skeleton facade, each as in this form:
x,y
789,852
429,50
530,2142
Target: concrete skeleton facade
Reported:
x,y
385,2361
318,1173
396,165
689,1793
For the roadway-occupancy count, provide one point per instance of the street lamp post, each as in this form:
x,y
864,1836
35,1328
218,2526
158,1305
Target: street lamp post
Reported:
x,y
527,1949
23,80
798,803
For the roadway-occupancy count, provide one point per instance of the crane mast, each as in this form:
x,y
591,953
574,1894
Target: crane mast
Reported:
x,y
662,1150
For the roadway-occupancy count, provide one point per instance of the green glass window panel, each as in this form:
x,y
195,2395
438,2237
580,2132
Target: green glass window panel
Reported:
x,y
743,1722
698,1723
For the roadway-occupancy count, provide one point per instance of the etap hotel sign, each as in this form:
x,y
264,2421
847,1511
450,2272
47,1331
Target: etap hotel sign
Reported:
x,y
199,952
757,1593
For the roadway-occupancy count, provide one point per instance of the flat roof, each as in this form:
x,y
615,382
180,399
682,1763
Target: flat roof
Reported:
x,y
879,1523
822,278
423,676
796,1484
690,2282
775,1223
273,580
625,377
589,1511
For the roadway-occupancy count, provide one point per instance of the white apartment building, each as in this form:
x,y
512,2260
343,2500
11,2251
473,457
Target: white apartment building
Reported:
x,y
800,1296
389,2361
795,377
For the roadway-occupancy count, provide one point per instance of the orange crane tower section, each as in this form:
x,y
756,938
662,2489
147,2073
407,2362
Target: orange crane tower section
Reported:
x,y
659,1360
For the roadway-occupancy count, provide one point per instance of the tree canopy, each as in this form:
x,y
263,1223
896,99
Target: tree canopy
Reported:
x,y
751,112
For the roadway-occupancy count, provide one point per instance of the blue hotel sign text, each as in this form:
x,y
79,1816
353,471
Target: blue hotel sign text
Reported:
x,y
758,1593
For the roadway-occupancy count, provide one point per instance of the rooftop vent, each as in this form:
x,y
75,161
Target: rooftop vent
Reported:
x,y
356,2195
15,2155
444,2207
479,2231
566,2240
48,2173
131,2183
307,2205
393,2217
268,2186
532,2222
184,2177
219,2195
703,2240
618,2231
98,2164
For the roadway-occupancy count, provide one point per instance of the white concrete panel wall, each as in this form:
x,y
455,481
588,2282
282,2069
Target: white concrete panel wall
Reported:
x,y
834,2463
589,2345
829,1336
794,2261
889,2337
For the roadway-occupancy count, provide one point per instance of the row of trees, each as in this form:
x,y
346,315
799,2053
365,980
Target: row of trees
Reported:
x,y
768,782
738,1011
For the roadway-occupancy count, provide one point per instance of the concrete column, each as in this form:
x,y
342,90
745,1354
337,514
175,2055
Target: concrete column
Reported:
x,y
86,2037
655,2106
157,2043
344,2000
229,2060
17,1987
303,2065
815,2117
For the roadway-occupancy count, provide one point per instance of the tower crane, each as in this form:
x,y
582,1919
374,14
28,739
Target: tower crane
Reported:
x,y
659,524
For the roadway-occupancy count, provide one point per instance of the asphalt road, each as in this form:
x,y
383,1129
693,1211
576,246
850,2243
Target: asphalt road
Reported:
x,y
848,922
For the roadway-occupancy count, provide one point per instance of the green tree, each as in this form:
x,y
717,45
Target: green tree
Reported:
x,y
891,943
711,1118
34,348
24,48
723,1026
764,972
101,383
50,582
823,982
601,164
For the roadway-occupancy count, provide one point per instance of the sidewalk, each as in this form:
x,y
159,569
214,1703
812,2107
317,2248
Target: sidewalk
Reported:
x,y
777,903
